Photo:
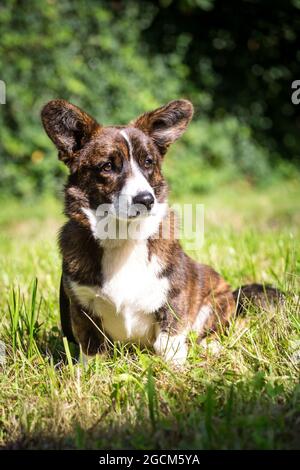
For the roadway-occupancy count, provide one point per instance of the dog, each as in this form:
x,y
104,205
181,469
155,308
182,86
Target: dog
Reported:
x,y
146,289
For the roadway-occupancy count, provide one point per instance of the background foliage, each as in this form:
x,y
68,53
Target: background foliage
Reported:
x,y
234,60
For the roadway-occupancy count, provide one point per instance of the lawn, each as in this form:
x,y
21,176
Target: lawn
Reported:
x,y
246,396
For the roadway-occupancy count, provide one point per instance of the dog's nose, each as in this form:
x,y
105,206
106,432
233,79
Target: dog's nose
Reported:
x,y
144,198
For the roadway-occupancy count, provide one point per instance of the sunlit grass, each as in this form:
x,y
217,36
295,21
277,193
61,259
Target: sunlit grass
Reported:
x,y
246,396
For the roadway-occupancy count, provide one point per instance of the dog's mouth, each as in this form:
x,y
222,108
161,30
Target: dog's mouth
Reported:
x,y
134,214
123,210
140,212
120,213
114,223
126,209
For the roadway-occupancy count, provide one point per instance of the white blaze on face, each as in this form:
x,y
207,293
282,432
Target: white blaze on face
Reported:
x,y
136,182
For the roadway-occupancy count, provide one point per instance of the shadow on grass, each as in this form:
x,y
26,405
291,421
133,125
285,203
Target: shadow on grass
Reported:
x,y
51,345
239,417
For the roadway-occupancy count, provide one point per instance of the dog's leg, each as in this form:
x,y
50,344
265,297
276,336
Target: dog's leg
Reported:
x,y
217,306
84,359
87,330
211,345
173,348
171,338
65,311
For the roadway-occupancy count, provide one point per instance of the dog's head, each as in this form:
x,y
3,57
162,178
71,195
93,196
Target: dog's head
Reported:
x,y
118,166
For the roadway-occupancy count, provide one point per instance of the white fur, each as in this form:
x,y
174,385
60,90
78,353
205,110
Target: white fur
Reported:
x,y
137,182
136,229
172,348
201,319
125,135
132,291
91,216
213,347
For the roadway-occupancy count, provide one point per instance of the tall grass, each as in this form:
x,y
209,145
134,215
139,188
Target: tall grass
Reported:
x,y
23,326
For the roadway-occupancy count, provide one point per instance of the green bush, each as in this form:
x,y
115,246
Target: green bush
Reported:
x,y
95,55
88,54
215,152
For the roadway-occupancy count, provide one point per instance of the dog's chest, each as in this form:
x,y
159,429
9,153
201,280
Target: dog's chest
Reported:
x,y
131,292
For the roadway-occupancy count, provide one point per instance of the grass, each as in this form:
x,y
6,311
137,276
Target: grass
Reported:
x,y
247,396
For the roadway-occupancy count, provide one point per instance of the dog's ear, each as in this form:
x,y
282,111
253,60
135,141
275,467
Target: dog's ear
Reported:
x,y
166,124
68,127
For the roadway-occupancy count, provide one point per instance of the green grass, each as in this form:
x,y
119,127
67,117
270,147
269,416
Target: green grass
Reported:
x,y
247,396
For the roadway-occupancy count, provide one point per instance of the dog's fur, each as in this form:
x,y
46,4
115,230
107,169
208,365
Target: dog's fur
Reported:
x,y
144,290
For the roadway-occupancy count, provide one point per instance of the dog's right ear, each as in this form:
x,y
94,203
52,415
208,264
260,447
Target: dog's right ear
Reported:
x,y
69,128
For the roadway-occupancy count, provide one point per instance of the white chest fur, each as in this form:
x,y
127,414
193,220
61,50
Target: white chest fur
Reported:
x,y
131,292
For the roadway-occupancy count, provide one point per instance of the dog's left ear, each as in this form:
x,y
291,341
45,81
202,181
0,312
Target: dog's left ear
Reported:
x,y
166,124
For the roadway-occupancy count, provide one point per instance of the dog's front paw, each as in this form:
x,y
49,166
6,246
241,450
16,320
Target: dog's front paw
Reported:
x,y
212,347
173,349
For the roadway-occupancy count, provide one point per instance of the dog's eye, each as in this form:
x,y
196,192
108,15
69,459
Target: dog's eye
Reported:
x,y
148,162
107,167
